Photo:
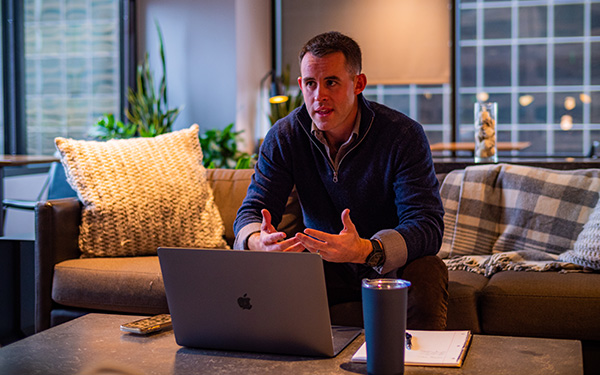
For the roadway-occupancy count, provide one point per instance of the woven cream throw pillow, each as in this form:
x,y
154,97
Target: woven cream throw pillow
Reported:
x,y
142,193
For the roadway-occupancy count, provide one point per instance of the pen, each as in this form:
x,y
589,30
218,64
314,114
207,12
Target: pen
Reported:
x,y
408,341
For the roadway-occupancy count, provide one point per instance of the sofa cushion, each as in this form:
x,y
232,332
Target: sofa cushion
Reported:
x,y
229,187
542,304
464,289
128,284
142,193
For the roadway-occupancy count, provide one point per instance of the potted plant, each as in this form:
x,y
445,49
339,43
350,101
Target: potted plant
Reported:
x,y
220,149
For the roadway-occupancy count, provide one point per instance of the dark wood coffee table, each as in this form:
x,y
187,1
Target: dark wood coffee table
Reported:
x,y
95,339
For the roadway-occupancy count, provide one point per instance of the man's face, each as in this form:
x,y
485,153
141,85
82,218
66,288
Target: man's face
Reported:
x,y
330,91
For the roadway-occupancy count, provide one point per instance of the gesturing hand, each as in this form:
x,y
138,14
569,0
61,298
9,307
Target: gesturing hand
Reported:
x,y
269,239
345,247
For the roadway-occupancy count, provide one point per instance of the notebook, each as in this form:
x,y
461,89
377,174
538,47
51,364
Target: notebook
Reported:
x,y
268,302
431,348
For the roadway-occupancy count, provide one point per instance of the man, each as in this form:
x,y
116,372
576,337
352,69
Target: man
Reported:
x,y
366,184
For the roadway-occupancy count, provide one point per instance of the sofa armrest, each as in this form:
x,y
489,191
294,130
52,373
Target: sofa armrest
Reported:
x,y
57,234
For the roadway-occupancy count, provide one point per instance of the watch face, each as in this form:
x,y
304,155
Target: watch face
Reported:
x,y
374,259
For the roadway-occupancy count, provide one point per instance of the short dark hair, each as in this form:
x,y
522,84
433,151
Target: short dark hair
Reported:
x,y
333,41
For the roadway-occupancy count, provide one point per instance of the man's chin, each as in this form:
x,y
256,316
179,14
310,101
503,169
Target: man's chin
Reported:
x,y
321,124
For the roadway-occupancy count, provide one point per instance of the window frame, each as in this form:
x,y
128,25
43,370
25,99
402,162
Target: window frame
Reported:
x,y
13,69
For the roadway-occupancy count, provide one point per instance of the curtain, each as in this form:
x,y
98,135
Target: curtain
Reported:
x,y
402,41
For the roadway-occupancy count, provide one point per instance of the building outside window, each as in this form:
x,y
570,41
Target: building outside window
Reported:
x,y
70,59
72,68
540,61
428,104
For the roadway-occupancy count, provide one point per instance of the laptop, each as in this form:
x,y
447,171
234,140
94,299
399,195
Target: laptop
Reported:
x,y
253,301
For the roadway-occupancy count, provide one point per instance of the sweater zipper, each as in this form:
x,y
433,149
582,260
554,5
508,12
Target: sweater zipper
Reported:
x,y
335,171
335,178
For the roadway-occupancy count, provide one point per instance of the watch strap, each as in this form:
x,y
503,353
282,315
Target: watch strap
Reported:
x,y
377,257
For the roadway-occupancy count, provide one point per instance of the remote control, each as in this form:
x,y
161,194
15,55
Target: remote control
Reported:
x,y
148,325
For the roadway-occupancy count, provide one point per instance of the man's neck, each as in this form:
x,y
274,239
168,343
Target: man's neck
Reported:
x,y
337,137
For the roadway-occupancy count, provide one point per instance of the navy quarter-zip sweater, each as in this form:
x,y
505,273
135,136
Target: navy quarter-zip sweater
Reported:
x,y
387,180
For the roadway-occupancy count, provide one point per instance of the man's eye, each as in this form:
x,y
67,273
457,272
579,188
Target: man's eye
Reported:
x,y
331,83
310,84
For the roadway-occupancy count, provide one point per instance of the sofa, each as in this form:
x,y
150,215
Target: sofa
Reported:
x,y
549,304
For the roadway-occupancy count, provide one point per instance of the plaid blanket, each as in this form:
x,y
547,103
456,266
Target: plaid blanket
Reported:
x,y
501,208
524,260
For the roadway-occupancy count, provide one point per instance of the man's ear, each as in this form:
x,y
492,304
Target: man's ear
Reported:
x,y
300,83
360,82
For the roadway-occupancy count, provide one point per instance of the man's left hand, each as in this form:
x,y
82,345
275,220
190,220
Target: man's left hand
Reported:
x,y
345,247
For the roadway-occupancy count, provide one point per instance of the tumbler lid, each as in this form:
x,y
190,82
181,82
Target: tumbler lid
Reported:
x,y
385,283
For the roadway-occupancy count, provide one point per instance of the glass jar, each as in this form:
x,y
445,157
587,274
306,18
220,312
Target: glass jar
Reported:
x,y
485,132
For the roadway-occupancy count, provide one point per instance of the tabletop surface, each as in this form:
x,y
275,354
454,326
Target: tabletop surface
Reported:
x,y
470,146
94,340
15,160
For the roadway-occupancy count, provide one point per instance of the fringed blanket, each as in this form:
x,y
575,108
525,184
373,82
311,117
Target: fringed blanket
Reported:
x,y
501,217
524,260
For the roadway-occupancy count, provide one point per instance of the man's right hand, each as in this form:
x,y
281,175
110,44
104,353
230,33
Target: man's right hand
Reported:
x,y
269,239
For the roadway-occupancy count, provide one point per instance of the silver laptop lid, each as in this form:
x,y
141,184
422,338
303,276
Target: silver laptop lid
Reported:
x,y
248,301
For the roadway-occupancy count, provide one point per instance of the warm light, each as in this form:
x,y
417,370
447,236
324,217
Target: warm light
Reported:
x,y
566,122
427,95
483,96
525,100
585,98
570,103
278,99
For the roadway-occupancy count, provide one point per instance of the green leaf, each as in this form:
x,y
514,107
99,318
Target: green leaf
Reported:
x,y
219,147
107,128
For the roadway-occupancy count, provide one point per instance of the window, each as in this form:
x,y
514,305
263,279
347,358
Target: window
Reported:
x,y
428,104
540,62
73,69
1,84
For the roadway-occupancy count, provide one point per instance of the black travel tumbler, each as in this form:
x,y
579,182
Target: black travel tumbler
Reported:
x,y
384,310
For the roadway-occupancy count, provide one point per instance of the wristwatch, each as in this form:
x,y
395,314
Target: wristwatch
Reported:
x,y
377,257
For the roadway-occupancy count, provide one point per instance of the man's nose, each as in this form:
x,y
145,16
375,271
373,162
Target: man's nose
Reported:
x,y
320,94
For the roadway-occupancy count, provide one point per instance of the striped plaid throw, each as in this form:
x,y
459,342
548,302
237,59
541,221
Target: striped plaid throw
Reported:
x,y
503,208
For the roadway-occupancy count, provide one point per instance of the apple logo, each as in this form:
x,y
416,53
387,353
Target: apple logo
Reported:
x,y
244,302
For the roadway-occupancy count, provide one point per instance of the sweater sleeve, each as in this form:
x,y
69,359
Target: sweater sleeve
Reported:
x,y
395,250
418,203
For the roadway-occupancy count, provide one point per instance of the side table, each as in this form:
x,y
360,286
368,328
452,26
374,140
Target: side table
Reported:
x,y
17,285
14,161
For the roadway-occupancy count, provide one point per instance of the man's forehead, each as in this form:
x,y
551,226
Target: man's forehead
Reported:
x,y
337,55
329,66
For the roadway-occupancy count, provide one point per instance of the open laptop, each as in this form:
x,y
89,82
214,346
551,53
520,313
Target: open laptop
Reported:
x,y
254,301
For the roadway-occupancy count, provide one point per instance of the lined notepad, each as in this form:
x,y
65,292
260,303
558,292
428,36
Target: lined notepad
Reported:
x,y
431,348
